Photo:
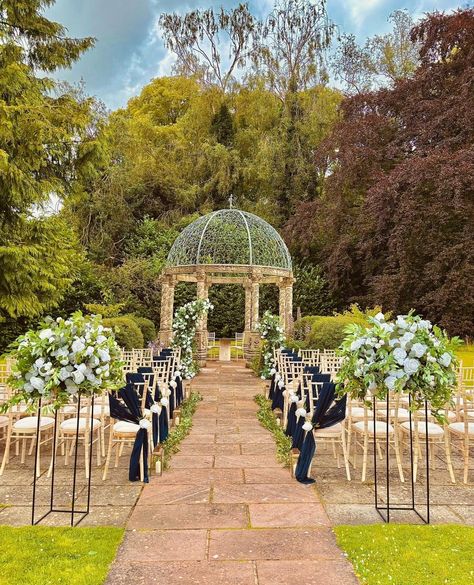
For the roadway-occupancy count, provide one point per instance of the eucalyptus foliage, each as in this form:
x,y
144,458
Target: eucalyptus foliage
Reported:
x,y
64,358
184,329
406,355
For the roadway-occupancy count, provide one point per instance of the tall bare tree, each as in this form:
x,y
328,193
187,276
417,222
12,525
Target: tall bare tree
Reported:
x,y
293,43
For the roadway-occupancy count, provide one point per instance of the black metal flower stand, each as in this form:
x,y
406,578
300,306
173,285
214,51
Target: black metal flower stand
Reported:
x,y
384,509
72,511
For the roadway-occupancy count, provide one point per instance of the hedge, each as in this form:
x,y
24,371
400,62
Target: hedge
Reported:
x,y
147,328
127,332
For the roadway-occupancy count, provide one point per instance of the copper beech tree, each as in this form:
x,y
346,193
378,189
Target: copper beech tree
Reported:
x,y
395,221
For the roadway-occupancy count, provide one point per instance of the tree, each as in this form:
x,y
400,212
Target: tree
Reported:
x,y
196,40
292,45
41,126
394,223
383,60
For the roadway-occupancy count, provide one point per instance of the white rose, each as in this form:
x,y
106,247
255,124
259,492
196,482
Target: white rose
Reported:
x,y
308,426
155,408
411,366
399,355
104,355
64,374
144,423
37,383
78,377
45,333
418,350
445,359
390,382
356,344
300,412
165,401
379,317
77,345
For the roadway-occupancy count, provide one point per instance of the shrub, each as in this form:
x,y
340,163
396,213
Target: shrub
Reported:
x,y
147,328
303,326
329,332
127,332
104,310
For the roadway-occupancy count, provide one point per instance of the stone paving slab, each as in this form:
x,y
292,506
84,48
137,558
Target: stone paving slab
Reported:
x,y
183,573
266,544
174,516
320,572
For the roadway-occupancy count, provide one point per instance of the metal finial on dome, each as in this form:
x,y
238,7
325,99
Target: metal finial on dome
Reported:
x,y
231,199
230,237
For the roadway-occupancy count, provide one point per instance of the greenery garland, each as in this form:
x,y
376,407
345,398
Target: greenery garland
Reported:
x,y
171,445
267,419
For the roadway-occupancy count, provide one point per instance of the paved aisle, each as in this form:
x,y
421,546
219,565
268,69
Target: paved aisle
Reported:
x,y
226,512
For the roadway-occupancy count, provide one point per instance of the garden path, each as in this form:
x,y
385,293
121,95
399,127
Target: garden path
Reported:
x,y
226,511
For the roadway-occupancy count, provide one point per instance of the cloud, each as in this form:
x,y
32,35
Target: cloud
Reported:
x,y
129,50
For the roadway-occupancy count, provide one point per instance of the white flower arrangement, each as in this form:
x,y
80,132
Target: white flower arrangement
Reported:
x,y
408,354
63,358
271,333
184,329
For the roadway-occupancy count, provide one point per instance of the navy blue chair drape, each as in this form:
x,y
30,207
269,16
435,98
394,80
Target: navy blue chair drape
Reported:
x,y
327,413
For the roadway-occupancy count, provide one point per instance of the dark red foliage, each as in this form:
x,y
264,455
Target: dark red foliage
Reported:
x,y
395,225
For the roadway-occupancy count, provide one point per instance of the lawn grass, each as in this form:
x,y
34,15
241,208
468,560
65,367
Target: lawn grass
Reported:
x,y
466,355
40,555
409,555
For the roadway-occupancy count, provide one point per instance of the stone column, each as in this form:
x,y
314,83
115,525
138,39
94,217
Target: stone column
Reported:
x,y
166,313
248,318
282,305
253,339
289,309
201,329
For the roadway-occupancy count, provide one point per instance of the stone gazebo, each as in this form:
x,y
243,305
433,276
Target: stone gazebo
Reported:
x,y
228,246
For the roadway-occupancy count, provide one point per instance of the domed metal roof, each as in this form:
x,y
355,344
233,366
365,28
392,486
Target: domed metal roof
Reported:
x,y
231,237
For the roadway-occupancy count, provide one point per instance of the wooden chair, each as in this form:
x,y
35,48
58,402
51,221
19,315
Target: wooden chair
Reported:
x,y
461,433
239,345
84,430
21,427
364,431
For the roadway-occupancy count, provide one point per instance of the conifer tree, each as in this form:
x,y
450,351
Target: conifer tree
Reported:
x,y
42,125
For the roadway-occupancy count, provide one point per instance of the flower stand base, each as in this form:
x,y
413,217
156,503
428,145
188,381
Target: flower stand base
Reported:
x,y
387,507
76,515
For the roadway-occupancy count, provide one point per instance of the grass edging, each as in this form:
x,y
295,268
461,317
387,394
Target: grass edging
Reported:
x,y
267,419
178,433
408,554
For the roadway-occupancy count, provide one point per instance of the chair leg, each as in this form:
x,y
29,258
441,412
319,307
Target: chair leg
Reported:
x,y
346,458
6,454
398,457
449,463
365,456
466,458
109,454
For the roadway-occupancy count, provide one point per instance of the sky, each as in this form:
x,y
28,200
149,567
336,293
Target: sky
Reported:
x,y
129,50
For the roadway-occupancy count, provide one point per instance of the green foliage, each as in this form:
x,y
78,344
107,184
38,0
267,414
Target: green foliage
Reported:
x,y
41,123
177,434
267,419
127,332
229,314
104,310
147,328
222,126
311,292
303,327
329,332
77,556
404,555
38,261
